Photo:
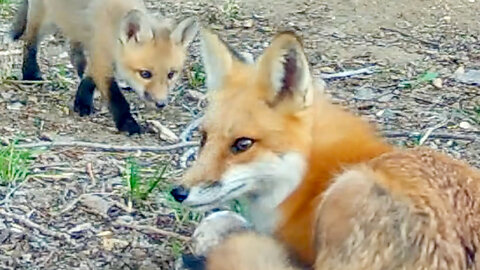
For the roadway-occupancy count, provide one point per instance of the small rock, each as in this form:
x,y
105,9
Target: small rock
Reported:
x,y
467,77
327,70
386,98
97,204
465,125
15,106
247,23
364,94
437,82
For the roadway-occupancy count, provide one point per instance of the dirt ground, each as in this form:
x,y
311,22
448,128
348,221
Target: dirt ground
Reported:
x,y
73,212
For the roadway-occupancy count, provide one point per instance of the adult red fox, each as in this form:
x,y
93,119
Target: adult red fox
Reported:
x,y
121,39
318,178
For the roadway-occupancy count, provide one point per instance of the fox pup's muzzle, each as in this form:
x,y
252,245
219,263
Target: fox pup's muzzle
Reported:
x,y
179,193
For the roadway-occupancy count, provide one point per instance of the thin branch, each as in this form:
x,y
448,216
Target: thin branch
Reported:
x,y
151,229
448,136
107,147
27,222
425,42
25,82
348,73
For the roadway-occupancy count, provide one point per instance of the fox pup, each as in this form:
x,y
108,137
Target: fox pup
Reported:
x,y
319,179
121,38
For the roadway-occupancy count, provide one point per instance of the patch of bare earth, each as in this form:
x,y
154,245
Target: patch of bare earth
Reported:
x,y
73,212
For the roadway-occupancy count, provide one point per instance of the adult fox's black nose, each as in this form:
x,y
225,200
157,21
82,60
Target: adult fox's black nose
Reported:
x,y
179,193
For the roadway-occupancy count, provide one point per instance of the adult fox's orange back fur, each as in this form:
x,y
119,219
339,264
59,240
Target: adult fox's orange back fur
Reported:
x,y
121,39
318,178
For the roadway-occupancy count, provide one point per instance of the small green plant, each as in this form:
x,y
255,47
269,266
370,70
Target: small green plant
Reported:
x,y
14,164
231,9
177,248
427,77
137,188
196,77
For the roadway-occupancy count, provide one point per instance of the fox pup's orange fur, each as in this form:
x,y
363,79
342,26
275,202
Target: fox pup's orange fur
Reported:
x,y
122,39
319,178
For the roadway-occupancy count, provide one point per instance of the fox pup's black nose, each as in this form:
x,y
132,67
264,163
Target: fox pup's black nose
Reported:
x,y
161,104
179,193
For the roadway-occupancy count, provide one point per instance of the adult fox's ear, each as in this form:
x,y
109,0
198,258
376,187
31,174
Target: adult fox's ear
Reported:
x,y
284,69
185,32
134,27
216,58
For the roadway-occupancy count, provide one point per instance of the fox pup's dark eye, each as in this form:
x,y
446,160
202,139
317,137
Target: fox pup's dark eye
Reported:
x,y
241,145
171,74
145,74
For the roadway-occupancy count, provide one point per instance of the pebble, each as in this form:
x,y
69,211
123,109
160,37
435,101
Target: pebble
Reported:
x,y
437,82
465,125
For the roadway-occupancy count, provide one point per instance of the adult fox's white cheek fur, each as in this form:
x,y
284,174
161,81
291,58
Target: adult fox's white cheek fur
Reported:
x,y
266,181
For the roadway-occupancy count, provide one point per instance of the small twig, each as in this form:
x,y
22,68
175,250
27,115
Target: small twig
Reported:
x,y
348,73
430,130
33,225
151,229
429,43
90,174
190,128
10,52
107,147
403,134
25,82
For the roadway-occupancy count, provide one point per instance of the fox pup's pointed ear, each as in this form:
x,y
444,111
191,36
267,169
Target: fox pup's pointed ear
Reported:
x,y
285,68
134,27
185,32
216,58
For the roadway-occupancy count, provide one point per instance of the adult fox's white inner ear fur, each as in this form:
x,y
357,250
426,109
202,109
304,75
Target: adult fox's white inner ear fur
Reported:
x,y
288,72
266,182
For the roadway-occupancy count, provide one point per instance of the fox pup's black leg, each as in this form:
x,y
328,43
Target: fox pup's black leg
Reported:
x,y
84,98
77,57
120,110
30,69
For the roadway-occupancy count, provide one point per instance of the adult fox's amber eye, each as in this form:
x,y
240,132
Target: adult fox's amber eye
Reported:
x,y
145,74
241,145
